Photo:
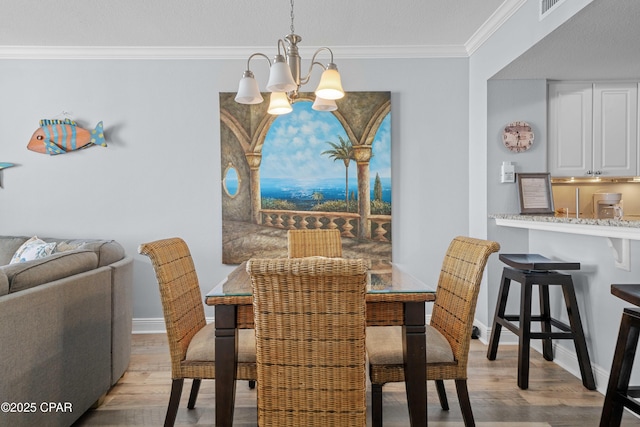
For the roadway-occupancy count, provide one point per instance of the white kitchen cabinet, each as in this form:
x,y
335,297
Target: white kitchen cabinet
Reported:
x,y
593,129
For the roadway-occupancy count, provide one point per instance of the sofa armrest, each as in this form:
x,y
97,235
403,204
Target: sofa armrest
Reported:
x,y
121,316
4,283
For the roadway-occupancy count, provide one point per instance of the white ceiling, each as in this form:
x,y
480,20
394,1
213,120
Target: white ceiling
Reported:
x,y
602,41
232,23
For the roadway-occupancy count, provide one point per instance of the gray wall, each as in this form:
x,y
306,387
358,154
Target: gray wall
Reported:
x,y
160,174
508,101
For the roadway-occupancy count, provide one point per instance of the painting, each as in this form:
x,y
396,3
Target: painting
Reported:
x,y
306,169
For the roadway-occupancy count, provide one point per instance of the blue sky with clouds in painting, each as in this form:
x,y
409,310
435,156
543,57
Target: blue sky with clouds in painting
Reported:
x,y
295,141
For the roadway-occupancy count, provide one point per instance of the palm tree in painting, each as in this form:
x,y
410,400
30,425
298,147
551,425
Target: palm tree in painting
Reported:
x,y
344,152
318,197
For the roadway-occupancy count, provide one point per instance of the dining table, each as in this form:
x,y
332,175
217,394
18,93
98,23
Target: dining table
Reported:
x,y
394,298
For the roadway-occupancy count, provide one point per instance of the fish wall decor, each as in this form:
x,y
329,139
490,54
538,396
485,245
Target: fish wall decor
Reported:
x,y
61,136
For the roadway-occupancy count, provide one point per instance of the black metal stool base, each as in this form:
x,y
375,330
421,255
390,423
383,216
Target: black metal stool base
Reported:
x,y
573,331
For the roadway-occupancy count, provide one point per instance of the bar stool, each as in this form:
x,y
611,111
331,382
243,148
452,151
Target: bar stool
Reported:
x,y
619,394
529,270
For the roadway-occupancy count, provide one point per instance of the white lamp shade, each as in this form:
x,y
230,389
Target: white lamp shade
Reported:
x,y
248,91
279,104
321,104
330,86
280,78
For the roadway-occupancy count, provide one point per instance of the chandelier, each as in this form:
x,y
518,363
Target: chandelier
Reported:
x,y
285,78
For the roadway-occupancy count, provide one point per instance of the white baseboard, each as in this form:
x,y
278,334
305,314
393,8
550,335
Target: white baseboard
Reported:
x,y
152,325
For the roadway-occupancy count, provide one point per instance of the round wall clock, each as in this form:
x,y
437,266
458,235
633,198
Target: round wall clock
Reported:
x,y
517,136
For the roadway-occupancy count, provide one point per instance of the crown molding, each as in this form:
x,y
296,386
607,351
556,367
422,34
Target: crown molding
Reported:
x,y
491,25
221,52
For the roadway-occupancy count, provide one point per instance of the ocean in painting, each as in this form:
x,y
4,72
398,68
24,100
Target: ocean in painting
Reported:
x,y
301,192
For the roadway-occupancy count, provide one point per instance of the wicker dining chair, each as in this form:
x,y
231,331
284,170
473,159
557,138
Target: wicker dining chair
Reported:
x,y
448,333
310,341
191,339
314,242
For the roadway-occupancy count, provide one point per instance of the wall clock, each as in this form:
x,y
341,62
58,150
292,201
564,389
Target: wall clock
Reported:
x,y
517,136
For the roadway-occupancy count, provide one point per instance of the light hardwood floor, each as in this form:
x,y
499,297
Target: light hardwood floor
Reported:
x,y
554,398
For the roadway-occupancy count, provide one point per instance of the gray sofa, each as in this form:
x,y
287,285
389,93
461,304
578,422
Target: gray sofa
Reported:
x,y
65,329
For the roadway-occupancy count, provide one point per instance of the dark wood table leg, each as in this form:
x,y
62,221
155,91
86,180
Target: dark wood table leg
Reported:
x,y
415,362
226,363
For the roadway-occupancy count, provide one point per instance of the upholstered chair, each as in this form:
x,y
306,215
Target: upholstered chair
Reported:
x,y
448,334
310,341
191,339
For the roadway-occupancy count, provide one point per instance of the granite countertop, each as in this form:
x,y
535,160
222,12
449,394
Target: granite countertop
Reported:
x,y
631,221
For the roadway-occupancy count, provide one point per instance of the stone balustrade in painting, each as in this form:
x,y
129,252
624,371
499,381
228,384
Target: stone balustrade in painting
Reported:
x,y
346,222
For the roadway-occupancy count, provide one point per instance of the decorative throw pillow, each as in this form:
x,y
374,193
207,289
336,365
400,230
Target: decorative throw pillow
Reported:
x,y
33,248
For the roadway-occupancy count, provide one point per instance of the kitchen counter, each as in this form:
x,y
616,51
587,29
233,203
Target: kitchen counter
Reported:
x,y
631,221
617,231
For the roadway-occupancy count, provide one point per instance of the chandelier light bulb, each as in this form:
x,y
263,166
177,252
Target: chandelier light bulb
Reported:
x,y
279,104
321,104
330,86
280,77
248,90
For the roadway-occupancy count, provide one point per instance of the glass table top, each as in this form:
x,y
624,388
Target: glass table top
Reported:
x,y
383,277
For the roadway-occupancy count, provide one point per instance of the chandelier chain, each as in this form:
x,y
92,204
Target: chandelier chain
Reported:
x,y
292,29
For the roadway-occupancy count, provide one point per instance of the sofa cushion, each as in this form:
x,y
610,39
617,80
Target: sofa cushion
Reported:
x,y
54,267
33,248
8,246
108,251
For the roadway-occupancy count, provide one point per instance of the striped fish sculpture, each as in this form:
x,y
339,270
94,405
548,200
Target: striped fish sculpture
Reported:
x,y
61,136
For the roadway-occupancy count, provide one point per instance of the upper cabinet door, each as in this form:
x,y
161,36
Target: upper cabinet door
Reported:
x,y
615,127
570,129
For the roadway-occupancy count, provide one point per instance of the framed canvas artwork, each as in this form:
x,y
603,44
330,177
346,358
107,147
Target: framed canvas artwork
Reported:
x,y
306,169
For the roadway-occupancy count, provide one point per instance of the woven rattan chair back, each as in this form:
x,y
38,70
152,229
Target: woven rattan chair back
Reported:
x,y
314,242
191,339
448,333
310,341
457,293
182,302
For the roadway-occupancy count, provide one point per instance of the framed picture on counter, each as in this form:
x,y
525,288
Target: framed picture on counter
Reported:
x,y
534,193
